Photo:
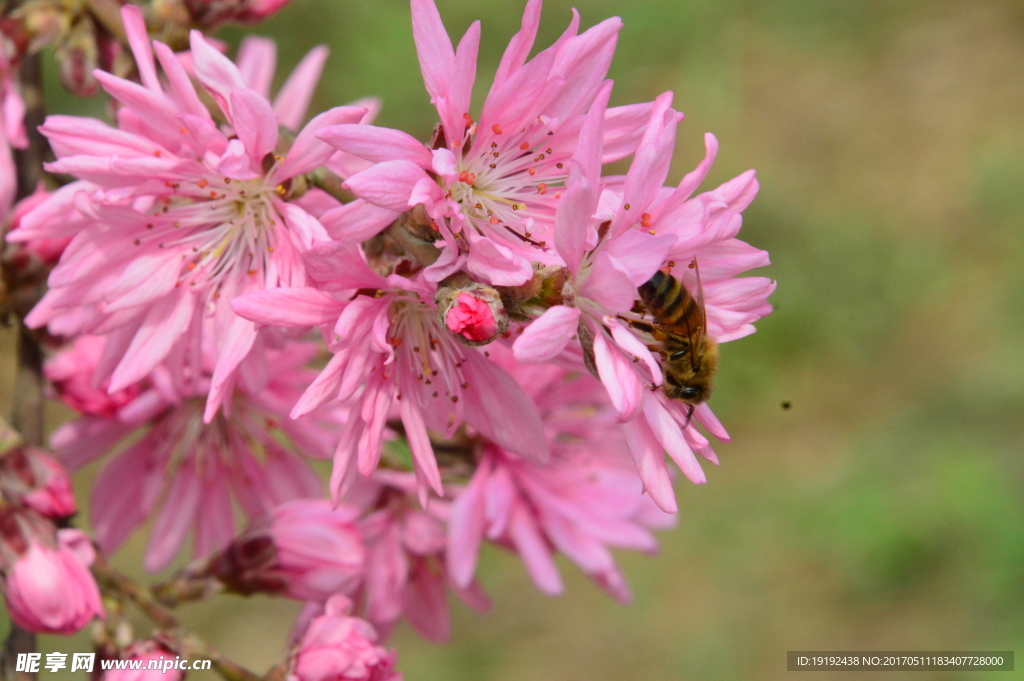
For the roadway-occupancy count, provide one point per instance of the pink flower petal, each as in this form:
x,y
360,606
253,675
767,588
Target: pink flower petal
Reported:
x,y
388,185
175,518
293,307
166,320
308,152
619,378
640,254
495,264
292,101
376,144
631,344
257,59
254,122
547,335
466,528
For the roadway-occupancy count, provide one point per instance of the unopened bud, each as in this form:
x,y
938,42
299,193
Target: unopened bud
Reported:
x,y
154,664
19,529
304,549
77,57
338,646
70,374
45,23
47,582
471,311
211,13
31,477
258,10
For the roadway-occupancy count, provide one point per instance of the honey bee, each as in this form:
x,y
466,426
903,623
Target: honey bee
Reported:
x,y
689,356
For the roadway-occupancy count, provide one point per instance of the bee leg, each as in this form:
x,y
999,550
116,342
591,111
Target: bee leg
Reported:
x,y
659,350
689,415
643,326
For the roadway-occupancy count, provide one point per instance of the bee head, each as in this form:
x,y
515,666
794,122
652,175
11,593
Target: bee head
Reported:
x,y
689,391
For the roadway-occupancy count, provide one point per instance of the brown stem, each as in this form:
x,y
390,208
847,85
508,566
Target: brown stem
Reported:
x,y
30,160
184,642
330,183
27,414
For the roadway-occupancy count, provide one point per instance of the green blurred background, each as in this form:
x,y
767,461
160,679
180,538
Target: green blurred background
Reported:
x,y
881,511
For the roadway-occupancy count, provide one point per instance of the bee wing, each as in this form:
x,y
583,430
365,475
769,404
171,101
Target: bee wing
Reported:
x,y
697,328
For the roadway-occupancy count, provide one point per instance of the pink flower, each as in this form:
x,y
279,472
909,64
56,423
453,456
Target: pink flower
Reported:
x,y
613,237
498,179
337,647
33,478
146,653
405,570
47,582
394,365
181,214
185,471
472,318
586,500
304,548
12,126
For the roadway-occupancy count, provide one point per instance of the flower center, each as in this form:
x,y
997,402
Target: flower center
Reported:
x,y
223,228
427,352
509,180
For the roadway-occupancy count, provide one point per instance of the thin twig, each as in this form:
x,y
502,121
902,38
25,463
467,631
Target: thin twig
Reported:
x,y
183,641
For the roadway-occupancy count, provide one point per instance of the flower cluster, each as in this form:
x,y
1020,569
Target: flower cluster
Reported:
x,y
44,570
492,339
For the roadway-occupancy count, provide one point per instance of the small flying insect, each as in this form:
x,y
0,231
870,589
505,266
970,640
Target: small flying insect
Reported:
x,y
689,358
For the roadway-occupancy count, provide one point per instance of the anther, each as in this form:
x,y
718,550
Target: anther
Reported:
x,y
524,146
645,220
496,128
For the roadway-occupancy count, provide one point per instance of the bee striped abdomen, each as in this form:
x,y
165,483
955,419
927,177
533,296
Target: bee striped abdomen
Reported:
x,y
668,301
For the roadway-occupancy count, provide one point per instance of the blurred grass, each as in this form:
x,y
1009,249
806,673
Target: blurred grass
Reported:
x,y
884,509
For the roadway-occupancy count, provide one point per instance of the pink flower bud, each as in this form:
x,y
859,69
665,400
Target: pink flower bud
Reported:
x,y
215,12
77,58
472,311
258,10
33,478
305,550
47,251
146,651
472,318
48,586
70,373
337,647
